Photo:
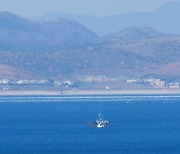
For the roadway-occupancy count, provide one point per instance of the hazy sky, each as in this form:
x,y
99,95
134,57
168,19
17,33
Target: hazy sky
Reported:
x,y
86,7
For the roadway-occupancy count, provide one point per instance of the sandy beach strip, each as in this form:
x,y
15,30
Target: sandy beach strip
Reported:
x,y
105,92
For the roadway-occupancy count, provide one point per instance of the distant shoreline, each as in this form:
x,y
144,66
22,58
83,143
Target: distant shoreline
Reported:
x,y
105,92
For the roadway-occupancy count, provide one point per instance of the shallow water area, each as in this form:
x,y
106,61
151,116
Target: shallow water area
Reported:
x,y
46,124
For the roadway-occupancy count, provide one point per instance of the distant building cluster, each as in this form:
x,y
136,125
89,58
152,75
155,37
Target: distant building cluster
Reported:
x,y
7,84
21,82
99,79
91,83
155,83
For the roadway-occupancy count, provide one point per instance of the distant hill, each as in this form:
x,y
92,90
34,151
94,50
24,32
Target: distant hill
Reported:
x,y
65,49
134,33
148,50
165,19
13,72
19,34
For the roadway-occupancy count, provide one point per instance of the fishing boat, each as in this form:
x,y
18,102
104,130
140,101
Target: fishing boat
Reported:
x,y
99,123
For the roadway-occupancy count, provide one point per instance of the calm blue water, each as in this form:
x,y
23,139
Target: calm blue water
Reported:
x,y
139,124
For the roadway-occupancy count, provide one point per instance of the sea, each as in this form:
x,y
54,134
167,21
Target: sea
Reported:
x,y
139,124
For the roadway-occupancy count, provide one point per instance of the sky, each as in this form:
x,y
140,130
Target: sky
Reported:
x,y
27,8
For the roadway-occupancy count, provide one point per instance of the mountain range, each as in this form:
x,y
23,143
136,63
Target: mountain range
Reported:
x,y
165,19
63,48
17,33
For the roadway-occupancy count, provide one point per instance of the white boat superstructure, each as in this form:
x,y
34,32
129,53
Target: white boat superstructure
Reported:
x,y
100,122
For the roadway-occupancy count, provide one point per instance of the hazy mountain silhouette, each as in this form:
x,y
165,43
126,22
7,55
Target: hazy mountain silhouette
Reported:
x,y
19,34
62,47
134,33
165,19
